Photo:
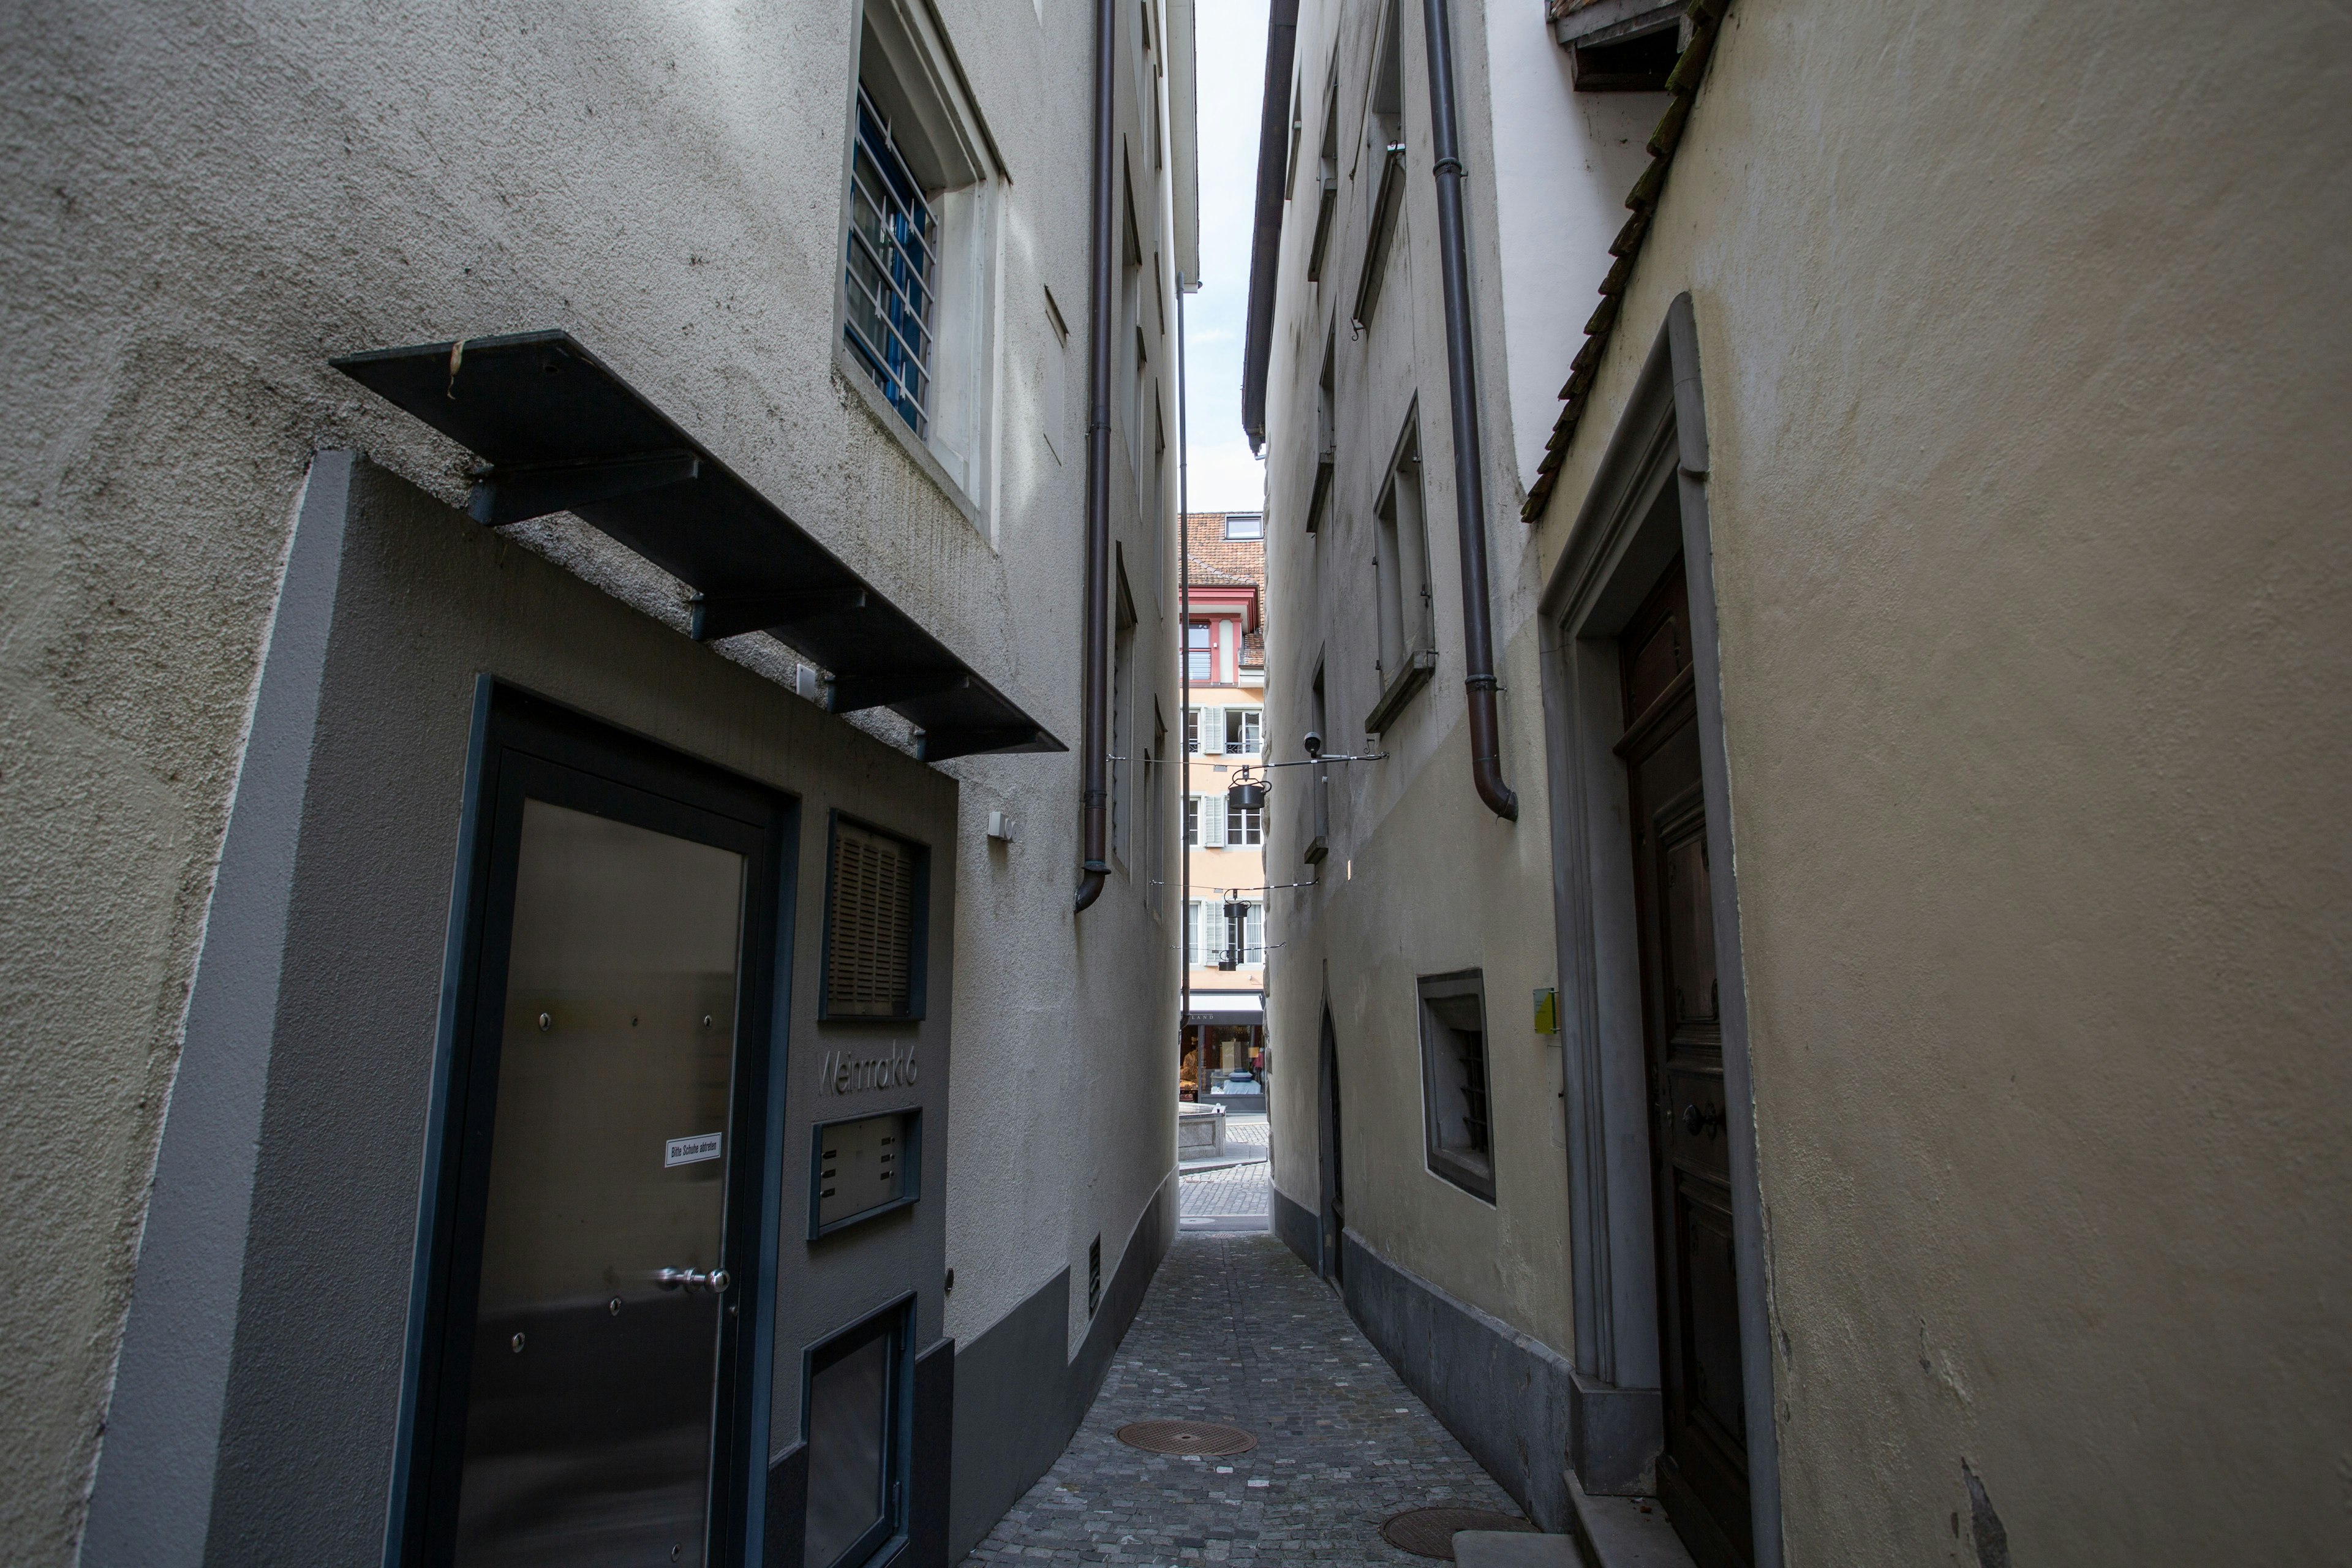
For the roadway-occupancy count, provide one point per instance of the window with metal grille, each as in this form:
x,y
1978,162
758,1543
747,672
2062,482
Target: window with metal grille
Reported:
x,y
869,953
892,271
1454,1090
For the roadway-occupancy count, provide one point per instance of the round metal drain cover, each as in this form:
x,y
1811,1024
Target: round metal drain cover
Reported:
x,y
1203,1437
1429,1531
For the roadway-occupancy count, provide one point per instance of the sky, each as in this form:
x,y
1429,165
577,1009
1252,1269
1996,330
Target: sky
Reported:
x,y
1231,51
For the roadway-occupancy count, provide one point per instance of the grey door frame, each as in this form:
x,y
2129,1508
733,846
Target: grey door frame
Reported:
x,y
1331,1168
524,744
1648,502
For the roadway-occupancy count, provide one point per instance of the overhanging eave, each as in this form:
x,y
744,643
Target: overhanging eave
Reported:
x,y
562,432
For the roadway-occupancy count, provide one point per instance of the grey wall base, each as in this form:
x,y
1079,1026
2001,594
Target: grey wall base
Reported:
x,y
1299,1230
1017,1398
1517,1404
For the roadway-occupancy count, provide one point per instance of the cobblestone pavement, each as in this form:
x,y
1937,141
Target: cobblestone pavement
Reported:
x,y
1235,1191
1246,1130
1235,1329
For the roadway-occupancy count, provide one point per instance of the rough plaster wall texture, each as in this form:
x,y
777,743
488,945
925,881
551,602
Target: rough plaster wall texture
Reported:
x,y
1558,165
1429,862
211,206
1479,900
1060,1043
2023,357
134,610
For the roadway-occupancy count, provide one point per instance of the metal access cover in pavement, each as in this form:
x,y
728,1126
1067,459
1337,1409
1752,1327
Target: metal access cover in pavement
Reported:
x,y
1204,1438
1429,1531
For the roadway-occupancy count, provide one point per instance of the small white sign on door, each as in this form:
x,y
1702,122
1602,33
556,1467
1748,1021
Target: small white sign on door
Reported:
x,y
687,1151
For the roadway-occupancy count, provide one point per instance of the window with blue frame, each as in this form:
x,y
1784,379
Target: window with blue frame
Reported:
x,y
892,272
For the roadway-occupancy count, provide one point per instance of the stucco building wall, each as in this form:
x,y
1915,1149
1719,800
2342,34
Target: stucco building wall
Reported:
x,y
1419,878
207,206
2020,364
2016,391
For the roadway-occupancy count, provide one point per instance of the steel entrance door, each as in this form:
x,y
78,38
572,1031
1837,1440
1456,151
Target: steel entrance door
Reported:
x,y
585,1399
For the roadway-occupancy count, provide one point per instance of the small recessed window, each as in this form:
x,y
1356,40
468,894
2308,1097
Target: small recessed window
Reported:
x,y
1404,610
857,1442
873,925
917,291
1244,525
892,277
1455,1116
1611,51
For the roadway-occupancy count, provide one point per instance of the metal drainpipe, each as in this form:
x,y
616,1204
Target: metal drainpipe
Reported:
x,y
1462,387
1184,655
1093,741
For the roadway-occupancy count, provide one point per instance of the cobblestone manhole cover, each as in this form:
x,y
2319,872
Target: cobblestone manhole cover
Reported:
x,y
1203,1437
1429,1531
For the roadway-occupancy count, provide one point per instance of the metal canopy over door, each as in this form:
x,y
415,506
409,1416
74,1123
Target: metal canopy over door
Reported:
x,y
1703,1474
581,1398
562,432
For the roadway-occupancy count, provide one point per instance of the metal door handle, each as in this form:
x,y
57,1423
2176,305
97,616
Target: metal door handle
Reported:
x,y
1696,1122
716,1281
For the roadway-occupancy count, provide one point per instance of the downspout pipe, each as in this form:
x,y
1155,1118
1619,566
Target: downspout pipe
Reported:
x,y
1094,726
1469,457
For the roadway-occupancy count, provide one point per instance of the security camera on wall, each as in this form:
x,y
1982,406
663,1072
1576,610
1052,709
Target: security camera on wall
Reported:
x,y
1314,744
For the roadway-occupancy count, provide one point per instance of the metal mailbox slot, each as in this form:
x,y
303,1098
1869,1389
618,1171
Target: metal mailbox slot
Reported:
x,y
863,1168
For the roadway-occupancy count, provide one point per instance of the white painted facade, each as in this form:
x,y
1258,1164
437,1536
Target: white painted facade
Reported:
x,y
210,206
1989,362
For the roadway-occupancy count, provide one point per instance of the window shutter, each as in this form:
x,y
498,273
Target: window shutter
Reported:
x,y
1212,834
1253,934
870,930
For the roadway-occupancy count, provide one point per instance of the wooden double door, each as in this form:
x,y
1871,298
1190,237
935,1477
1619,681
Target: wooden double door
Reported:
x,y
1703,1472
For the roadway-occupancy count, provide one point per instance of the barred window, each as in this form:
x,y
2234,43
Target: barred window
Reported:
x,y
892,270
870,927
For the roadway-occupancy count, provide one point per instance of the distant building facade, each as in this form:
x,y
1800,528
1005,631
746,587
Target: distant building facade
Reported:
x,y
1813,1013
1224,841
548,753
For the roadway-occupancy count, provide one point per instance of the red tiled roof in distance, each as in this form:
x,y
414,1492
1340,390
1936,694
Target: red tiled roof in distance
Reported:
x,y
1221,563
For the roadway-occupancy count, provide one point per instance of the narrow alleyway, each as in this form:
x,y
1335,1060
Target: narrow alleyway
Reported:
x,y
1235,1192
1236,1331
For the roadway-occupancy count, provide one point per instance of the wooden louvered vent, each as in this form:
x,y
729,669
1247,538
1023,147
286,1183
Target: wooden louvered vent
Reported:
x,y
870,945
